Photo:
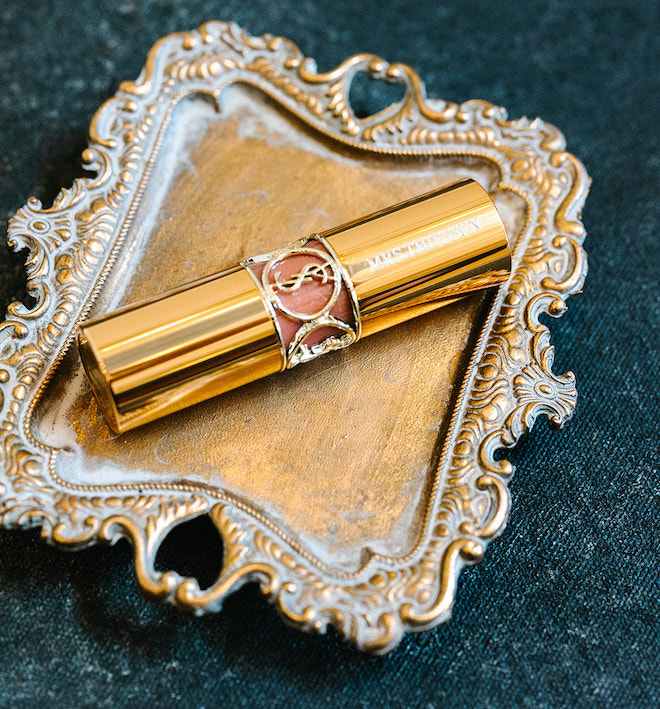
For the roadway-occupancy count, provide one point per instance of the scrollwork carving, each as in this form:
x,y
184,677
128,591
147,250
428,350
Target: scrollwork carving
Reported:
x,y
72,247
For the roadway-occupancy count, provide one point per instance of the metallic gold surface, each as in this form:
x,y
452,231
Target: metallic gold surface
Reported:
x,y
365,515
150,359
406,260
380,390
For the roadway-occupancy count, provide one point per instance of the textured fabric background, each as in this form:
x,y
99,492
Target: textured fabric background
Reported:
x,y
563,611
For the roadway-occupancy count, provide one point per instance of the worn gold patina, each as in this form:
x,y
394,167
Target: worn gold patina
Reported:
x,y
363,518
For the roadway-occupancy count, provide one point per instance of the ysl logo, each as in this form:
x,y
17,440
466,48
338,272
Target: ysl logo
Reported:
x,y
303,282
311,266
322,272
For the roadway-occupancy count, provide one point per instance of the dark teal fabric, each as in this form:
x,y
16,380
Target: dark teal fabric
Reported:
x,y
563,611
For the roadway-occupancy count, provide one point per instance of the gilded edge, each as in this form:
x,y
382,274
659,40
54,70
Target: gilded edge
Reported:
x,y
73,244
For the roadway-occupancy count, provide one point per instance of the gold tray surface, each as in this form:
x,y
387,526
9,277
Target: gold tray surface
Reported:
x,y
352,488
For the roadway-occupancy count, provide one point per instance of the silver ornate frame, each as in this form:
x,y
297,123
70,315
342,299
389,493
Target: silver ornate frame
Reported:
x,y
510,382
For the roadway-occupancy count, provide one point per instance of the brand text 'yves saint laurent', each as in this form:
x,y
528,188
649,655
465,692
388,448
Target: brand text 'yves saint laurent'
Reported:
x,y
428,242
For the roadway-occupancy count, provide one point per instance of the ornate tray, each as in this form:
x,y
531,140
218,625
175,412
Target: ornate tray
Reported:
x,y
352,489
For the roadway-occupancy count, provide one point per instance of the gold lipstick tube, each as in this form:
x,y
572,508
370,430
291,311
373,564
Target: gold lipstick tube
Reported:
x,y
274,311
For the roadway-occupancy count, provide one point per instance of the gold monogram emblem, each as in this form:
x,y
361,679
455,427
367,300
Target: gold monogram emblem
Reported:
x,y
310,272
287,272
319,271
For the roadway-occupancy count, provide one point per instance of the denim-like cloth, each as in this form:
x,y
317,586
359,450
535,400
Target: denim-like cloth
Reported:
x,y
563,611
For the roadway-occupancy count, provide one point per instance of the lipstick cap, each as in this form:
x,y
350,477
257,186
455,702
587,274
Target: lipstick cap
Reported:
x,y
408,259
276,310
